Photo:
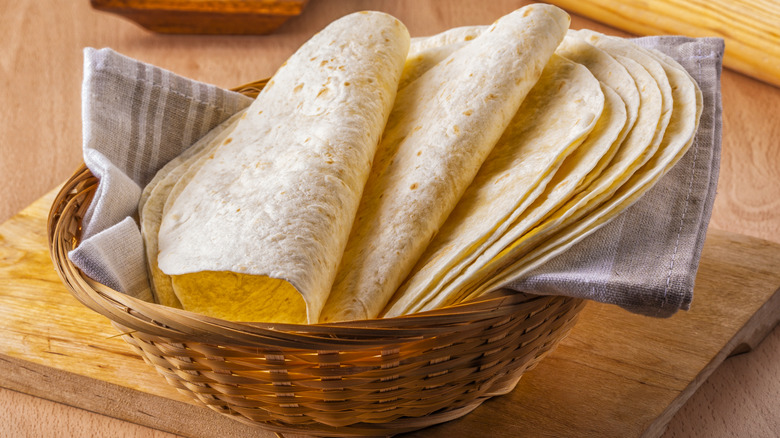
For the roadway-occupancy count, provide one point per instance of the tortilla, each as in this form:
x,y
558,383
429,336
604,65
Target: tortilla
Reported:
x,y
607,70
640,144
425,52
551,124
443,126
258,232
677,140
155,195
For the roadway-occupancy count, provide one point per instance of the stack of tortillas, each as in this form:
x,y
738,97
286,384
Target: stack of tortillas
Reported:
x,y
376,177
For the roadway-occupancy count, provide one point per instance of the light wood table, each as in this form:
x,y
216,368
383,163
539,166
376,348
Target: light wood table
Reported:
x,y
40,141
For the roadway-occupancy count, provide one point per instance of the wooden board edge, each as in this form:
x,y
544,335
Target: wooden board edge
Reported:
x,y
119,402
747,338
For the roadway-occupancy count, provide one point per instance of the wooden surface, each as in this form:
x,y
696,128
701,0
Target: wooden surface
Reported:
x,y
750,28
616,374
40,135
217,17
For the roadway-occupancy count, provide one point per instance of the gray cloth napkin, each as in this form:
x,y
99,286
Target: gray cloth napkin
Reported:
x,y
136,117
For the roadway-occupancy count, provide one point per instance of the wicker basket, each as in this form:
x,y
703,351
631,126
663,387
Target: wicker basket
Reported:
x,y
365,378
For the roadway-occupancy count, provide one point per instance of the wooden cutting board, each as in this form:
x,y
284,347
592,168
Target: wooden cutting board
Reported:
x,y
616,374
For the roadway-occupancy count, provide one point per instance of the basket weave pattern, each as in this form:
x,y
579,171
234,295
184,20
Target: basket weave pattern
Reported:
x,y
364,378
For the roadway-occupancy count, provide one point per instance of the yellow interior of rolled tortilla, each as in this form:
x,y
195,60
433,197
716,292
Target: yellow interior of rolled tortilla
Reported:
x,y
252,297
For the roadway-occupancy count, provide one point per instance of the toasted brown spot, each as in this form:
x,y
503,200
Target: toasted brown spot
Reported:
x,y
469,37
243,116
456,129
467,113
298,88
238,209
259,112
490,96
419,153
228,140
211,157
346,84
414,186
323,91
417,128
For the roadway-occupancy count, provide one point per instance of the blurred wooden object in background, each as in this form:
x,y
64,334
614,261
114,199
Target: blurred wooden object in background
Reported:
x,y
751,28
230,17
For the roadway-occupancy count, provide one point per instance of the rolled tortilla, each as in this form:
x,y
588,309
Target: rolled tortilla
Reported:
x,y
443,126
258,232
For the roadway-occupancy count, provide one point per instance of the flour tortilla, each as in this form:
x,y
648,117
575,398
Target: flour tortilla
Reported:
x,y
578,171
607,70
551,124
569,179
678,138
443,126
425,52
639,145
258,232
156,193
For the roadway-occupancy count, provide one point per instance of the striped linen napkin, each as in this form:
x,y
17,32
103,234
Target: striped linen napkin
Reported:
x,y
137,117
